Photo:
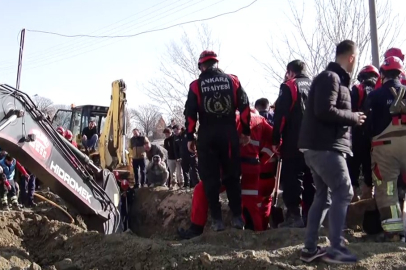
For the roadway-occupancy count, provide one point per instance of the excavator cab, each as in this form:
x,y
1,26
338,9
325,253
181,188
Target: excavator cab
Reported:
x,y
78,117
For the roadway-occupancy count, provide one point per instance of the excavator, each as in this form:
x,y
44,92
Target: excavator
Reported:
x,y
28,135
112,123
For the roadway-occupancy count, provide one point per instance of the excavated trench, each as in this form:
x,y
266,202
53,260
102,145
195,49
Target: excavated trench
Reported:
x,y
43,236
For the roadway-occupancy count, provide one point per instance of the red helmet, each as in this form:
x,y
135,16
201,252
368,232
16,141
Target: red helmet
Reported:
x,y
207,55
61,131
68,135
392,63
395,52
369,69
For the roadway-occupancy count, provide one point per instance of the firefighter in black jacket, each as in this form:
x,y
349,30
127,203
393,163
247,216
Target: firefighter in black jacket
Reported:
x,y
214,98
296,178
188,161
361,144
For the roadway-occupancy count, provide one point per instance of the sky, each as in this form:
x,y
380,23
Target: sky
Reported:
x,y
81,70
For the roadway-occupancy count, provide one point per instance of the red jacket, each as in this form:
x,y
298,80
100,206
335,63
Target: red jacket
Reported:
x,y
261,138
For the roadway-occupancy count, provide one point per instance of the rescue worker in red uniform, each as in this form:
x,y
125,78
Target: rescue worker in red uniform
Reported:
x,y
261,139
69,137
361,144
387,126
268,169
296,178
215,97
397,53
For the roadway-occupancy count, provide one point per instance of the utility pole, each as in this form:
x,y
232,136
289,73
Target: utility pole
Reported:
x,y
374,34
20,58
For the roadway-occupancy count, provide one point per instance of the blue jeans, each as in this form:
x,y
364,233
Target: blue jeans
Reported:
x,y
90,143
333,191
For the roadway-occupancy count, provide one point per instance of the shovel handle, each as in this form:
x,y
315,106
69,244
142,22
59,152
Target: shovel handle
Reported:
x,y
277,182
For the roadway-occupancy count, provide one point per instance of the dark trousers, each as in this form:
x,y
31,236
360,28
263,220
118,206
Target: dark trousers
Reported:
x,y
27,189
297,184
190,170
219,151
139,164
361,158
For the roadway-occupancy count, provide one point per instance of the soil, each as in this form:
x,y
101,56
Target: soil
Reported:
x,y
42,239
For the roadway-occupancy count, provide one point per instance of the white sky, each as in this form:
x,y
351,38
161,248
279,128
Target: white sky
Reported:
x,y
81,70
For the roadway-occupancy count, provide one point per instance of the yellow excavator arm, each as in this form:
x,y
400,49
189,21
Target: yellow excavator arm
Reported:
x,y
112,145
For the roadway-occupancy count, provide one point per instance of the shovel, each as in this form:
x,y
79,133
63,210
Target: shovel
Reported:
x,y
276,212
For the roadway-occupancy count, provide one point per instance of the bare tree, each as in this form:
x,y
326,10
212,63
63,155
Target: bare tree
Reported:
x,y
335,20
146,118
178,67
45,105
63,118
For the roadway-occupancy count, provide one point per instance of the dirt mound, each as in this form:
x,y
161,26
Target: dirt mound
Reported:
x,y
27,237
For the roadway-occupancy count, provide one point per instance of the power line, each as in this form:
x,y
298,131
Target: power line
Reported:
x,y
63,46
84,45
134,35
144,32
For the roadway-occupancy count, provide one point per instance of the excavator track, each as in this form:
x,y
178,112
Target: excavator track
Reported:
x,y
27,134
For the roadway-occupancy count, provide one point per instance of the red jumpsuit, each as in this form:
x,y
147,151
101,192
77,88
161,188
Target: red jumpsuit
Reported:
x,y
261,139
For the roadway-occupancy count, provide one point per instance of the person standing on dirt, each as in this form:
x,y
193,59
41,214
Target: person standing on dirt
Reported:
x,y
256,207
188,161
215,97
27,190
175,169
361,144
325,139
387,126
137,143
296,178
9,164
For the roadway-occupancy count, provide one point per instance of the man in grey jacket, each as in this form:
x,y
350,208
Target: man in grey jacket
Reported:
x,y
325,140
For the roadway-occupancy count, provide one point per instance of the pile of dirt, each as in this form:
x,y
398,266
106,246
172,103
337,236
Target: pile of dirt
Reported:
x,y
28,237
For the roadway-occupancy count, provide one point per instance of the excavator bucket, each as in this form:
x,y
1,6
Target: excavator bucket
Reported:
x,y
27,134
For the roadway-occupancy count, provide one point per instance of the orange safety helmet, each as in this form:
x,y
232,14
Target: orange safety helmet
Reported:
x,y
392,63
395,52
61,131
207,55
68,135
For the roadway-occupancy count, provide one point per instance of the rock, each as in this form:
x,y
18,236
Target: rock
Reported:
x,y
35,266
16,268
205,259
66,264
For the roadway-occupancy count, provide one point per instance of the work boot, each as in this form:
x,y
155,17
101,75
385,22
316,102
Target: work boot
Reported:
x,y
293,220
389,237
193,231
30,204
5,207
217,225
238,223
16,206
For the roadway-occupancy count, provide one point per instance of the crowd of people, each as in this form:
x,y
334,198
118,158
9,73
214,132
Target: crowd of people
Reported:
x,y
170,165
326,130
